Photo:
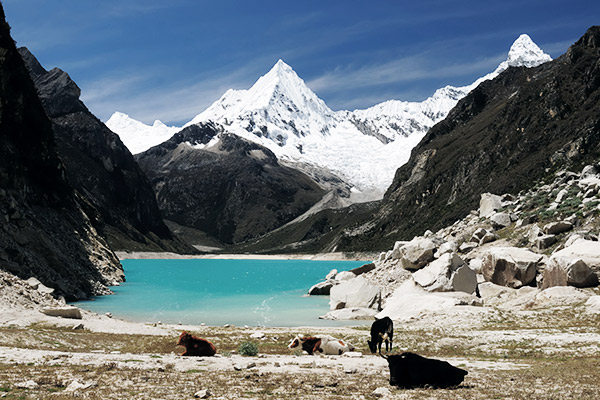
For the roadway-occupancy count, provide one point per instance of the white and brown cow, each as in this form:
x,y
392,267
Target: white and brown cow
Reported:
x,y
323,344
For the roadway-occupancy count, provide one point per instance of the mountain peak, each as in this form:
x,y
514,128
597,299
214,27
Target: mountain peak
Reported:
x,y
280,73
280,65
524,52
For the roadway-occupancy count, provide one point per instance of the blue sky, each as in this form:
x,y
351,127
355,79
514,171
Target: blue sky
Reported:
x,y
171,59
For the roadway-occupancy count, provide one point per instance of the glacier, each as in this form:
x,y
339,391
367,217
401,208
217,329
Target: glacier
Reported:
x,y
362,147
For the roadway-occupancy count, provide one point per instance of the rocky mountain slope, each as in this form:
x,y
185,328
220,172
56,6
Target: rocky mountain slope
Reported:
x,y
118,197
44,232
225,186
533,251
505,135
283,114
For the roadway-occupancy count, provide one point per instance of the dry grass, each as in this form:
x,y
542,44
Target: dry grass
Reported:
x,y
541,375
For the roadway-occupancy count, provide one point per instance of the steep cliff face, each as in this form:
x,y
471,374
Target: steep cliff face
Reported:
x,y
117,193
232,189
44,233
505,135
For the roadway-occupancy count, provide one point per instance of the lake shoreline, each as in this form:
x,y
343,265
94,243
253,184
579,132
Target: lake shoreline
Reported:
x,y
338,256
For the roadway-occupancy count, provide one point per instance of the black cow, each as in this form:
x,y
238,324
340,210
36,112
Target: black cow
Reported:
x,y
409,370
382,329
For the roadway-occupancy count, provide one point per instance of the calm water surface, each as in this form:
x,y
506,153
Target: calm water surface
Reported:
x,y
216,292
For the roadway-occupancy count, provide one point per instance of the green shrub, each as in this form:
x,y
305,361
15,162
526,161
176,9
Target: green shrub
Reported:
x,y
248,349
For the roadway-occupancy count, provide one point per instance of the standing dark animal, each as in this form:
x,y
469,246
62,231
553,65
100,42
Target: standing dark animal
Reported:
x,y
381,330
409,370
195,346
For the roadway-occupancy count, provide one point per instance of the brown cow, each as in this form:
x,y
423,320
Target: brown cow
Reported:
x,y
195,346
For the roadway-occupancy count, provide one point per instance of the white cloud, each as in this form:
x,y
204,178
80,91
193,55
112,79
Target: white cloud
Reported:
x,y
401,70
176,103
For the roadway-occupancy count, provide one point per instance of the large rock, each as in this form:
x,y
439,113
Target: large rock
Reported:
x,y
447,247
416,254
510,266
563,271
410,300
577,265
500,220
488,204
355,293
395,252
321,288
63,312
449,273
363,269
344,276
545,241
554,228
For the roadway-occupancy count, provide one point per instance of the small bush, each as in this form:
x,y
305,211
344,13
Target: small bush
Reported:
x,y
248,349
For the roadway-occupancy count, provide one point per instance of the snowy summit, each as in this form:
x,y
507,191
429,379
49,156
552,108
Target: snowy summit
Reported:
x,y
362,147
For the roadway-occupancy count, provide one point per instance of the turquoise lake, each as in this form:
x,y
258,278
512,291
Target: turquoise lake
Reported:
x,y
217,292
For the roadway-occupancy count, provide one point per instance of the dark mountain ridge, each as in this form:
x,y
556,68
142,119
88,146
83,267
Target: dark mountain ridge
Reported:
x,y
117,195
227,187
44,232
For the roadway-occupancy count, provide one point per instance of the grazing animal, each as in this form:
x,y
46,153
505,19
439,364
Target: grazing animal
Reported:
x,y
409,370
195,346
381,330
324,344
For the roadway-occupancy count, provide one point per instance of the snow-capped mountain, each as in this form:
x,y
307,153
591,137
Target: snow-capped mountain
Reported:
x,y
362,147
136,135
277,106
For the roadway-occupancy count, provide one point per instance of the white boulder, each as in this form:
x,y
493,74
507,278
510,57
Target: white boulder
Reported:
x,y
63,312
357,293
410,300
331,274
500,220
447,247
510,266
488,204
321,288
576,265
554,228
345,276
415,254
449,273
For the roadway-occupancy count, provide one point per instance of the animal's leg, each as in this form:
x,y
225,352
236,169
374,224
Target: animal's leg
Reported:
x,y
318,347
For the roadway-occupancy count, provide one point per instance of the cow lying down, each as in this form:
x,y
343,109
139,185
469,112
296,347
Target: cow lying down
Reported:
x,y
195,346
409,370
323,344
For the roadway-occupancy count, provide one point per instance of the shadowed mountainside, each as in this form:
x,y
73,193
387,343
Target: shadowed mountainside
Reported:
x,y
44,232
225,186
118,196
